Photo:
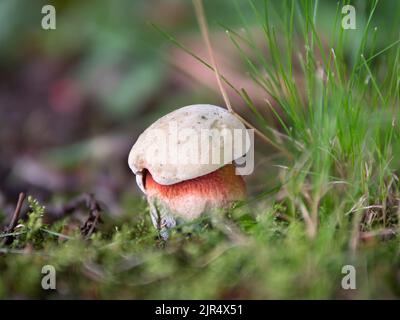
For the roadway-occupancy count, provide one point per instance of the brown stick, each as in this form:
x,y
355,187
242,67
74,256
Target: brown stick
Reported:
x,y
14,219
94,216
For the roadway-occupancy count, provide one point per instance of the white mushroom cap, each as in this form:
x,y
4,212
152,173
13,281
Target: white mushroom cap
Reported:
x,y
189,142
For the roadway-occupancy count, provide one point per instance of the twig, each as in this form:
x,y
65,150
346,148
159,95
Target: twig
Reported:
x,y
94,216
198,5
14,220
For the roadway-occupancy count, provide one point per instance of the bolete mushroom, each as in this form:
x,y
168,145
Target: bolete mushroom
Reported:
x,y
185,163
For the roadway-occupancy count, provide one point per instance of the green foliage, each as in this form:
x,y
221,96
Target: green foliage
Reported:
x,y
30,231
34,223
277,260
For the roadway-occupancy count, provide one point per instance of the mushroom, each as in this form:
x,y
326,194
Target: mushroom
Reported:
x,y
185,163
